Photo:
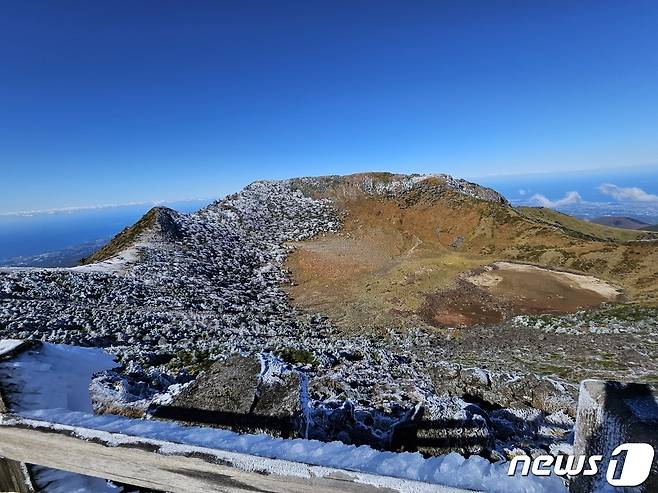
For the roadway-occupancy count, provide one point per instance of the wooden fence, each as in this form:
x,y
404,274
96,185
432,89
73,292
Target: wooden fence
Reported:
x,y
167,466
609,413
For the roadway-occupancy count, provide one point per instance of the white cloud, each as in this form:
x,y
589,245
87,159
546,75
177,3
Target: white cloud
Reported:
x,y
569,198
522,192
627,194
71,210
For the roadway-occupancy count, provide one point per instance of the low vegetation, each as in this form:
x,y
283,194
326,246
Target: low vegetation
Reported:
x,y
583,229
296,356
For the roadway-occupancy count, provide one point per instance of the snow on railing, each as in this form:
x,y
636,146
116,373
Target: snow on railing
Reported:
x,y
112,448
168,466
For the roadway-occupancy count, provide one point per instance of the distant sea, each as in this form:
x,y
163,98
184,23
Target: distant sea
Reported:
x,y
62,238
592,202
24,235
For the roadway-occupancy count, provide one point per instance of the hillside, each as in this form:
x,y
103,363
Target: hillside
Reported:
x,y
158,224
620,222
370,251
371,296
410,255
575,226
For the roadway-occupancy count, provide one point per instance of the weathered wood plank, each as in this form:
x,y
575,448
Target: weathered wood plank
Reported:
x,y
14,476
166,466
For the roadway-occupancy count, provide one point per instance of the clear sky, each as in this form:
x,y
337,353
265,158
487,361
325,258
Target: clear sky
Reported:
x,y
112,102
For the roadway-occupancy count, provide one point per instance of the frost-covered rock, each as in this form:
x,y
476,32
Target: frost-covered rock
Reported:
x,y
251,394
505,389
444,426
204,282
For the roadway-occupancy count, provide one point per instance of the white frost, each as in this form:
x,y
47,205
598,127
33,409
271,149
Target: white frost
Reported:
x,y
56,376
8,345
54,383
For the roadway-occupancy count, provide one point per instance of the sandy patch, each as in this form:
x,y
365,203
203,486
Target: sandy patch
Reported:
x,y
493,275
496,292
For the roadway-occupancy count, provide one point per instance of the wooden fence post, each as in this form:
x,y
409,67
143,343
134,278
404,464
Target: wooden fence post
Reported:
x,y
611,414
14,476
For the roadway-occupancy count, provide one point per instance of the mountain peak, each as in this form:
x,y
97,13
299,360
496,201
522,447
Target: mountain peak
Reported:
x,y
160,223
393,185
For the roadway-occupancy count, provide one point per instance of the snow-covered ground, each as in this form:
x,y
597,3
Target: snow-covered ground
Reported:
x,y
51,383
55,376
9,345
214,288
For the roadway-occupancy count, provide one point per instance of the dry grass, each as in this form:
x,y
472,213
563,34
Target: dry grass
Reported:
x,y
393,257
575,225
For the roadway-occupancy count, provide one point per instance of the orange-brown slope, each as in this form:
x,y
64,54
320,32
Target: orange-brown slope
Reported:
x,y
401,258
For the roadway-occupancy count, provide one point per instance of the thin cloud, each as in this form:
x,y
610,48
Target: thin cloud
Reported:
x,y
569,198
627,194
72,210
69,210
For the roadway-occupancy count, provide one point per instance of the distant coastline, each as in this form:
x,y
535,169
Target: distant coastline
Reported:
x,y
62,234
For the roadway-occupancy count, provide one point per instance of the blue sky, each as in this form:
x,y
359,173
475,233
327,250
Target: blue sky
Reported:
x,y
114,102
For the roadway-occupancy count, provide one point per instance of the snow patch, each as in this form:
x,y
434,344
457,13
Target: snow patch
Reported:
x,y
55,376
451,470
9,345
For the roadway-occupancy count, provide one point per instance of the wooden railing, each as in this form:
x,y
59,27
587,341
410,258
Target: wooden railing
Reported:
x,y
167,466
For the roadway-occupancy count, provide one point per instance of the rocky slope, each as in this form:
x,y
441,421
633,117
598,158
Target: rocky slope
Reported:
x,y
180,294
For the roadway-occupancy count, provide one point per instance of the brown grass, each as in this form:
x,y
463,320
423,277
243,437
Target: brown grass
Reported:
x,y
394,259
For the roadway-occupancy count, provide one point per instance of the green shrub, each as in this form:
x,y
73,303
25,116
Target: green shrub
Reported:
x,y
296,356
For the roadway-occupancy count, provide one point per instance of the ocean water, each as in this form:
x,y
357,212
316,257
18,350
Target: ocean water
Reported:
x,y
40,233
522,190
28,235
586,183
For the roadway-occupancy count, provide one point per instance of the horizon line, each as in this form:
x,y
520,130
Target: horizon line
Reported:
x,y
74,209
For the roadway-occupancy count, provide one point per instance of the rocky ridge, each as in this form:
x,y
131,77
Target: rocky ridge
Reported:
x,y
177,292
